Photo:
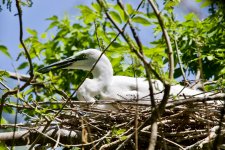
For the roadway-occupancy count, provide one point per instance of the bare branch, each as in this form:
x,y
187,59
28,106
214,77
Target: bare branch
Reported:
x,y
153,138
16,76
27,136
180,61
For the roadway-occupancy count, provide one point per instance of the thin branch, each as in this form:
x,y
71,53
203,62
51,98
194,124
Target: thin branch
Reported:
x,y
23,137
153,138
180,61
167,140
58,139
5,86
17,76
52,139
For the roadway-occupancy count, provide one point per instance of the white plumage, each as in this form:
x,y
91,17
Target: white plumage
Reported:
x,y
105,86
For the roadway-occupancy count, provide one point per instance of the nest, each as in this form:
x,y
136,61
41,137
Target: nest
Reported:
x,y
183,125
190,123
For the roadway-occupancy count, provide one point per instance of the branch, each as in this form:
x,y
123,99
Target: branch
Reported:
x,y
180,61
153,138
21,77
26,137
208,139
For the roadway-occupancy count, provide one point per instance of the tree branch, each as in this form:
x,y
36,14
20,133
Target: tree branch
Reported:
x,y
28,136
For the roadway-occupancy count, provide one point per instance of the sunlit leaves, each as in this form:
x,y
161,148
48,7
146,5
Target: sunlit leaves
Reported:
x,y
115,16
88,13
3,74
4,50
23,65
32,32
141,20
130,9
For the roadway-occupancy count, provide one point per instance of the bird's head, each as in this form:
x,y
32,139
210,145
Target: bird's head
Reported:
x,y
83,60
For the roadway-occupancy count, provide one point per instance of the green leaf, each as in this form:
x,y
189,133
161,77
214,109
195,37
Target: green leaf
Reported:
x,y
210,57
206,3
191,17
120,131
52,25
43,35
130,10
3,73
3,121
2,144
96,7
28,91
115,16
123,16
123,138
23,65
53,18
32,32
222,72
4,50
88,14
8,110
19,95
141,20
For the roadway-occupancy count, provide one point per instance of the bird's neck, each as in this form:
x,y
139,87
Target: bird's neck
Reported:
x,y
103,72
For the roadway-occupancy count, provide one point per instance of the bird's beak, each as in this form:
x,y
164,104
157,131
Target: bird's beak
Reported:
x,y
58,65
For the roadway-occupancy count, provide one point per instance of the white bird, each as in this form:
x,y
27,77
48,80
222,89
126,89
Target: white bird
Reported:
x,y
105,86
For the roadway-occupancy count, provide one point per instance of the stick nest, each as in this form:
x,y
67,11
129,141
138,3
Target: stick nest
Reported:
x,y
188,126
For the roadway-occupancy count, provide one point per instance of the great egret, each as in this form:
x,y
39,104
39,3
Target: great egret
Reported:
x,y
105,86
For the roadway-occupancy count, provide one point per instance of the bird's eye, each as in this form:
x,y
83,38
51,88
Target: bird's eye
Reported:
x,y
81,57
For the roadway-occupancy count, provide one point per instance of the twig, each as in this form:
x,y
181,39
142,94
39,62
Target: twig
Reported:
x,y
17,76
58,139
209,138
87,144
5,86
167,140
180,61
